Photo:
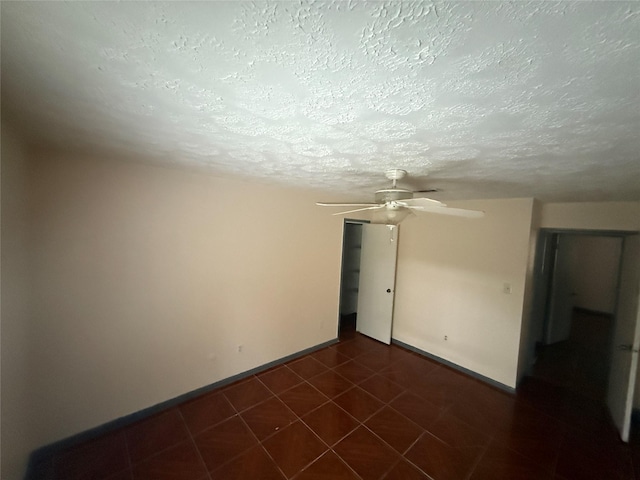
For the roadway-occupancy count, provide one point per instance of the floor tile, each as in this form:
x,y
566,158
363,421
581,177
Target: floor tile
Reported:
x,y
354,371
441,461
294,447
441,386
330,357
223,442
206,411
246,393
403,470
95,459
500,463
124,475
327,467
417,409
252,464
485,408
457,433
381,388
583,457
534,435
394,428
330,422
408,371
280,379
331,383
376,360
268,417
181,462
365,453
358,403
350,349
155,434
303,398
307,367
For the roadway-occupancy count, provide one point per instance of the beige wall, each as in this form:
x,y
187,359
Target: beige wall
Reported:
x,y
450,281
147,280
16,428
592,216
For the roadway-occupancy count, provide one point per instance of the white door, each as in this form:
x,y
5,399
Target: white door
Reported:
x,y
561,300
377,281
626,339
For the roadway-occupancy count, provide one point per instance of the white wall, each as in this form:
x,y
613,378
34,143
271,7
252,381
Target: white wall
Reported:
x,y
450,280
16,426
146,281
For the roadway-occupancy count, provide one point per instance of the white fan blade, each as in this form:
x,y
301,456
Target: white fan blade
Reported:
x,y
361,209
421,202
458,212
330,204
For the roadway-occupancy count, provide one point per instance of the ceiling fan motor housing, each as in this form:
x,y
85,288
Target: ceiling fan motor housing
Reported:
x,y
390,194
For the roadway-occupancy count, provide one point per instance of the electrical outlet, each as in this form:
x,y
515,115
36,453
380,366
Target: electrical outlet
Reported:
x,y
506,288
446,337
240,348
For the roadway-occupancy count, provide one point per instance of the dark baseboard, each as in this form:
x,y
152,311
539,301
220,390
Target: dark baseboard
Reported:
x,y
592,312
40,458
466,371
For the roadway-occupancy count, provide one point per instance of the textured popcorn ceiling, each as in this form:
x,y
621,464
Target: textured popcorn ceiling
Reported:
x,y
490,99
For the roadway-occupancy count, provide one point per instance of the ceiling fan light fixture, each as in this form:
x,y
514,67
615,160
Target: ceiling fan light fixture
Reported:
x,y
392,215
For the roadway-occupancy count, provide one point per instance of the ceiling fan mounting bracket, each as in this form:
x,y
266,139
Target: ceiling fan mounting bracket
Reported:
x,y
386,195
395,174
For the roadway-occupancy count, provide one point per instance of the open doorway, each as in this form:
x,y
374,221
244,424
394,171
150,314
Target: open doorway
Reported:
x,y
368,274
577,295
350,277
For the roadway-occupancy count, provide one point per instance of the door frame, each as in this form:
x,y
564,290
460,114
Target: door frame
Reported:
x,y
544,268
347,221
543,273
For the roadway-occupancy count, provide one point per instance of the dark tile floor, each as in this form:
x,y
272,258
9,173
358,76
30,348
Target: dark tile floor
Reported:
x,y
363,410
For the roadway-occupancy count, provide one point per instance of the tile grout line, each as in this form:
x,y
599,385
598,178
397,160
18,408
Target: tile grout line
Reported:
x,y
479,459
195,445
301,420
129,460
261,445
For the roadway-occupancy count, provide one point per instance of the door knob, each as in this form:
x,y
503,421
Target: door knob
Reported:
x,y
388,290
627,348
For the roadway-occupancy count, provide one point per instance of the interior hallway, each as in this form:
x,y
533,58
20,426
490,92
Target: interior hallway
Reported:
x,y
579,364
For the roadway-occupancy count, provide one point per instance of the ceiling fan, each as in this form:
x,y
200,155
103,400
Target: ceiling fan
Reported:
x,y
394,204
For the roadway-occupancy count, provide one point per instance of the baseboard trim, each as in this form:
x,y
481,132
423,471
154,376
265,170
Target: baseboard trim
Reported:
x,y
593,312
466,371
39,458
